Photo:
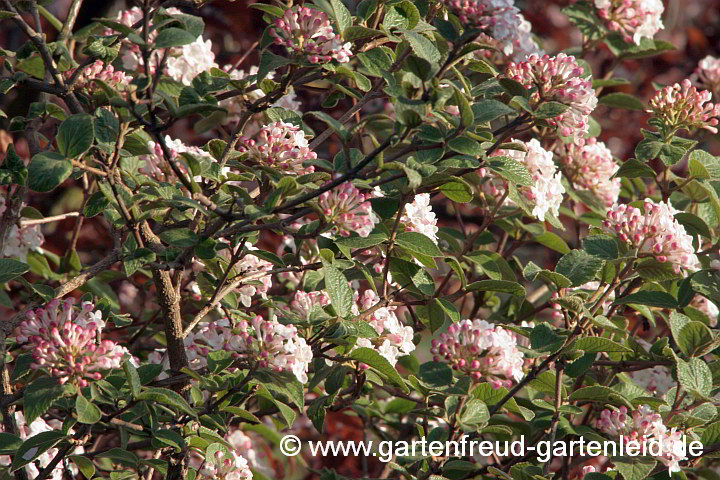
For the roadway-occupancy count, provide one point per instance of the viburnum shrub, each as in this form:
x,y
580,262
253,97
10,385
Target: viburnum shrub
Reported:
x,y
456,253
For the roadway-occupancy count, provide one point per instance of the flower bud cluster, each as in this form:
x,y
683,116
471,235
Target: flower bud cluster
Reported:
x,y
348,210
303,303
394,339
682,106
419,217
307,33
482,350
558,79
281,145
645,425
633,19
65,342
546,192
589,164
654,233
116,79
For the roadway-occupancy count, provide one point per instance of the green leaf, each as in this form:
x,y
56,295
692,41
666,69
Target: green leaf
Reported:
x,y
550,110
601,246
579,266
695,376
634,169
39,396
174,37
424,48
704,166
466,146
474,413
167,397
652,299
342,15
270,62
9,443
418,243
599,344
488,110
466,113
436,374
511,170
35,446
692,337
409,273
599,393
168,437
504,286
47,170
87,412
85,465
622,100
271,9
457,191
75,135
179,237
133,377
345,244
338,288
553,242
634,468
532,272
10,269
373,359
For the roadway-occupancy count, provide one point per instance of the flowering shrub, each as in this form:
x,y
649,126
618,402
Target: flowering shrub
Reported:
x,y
435,241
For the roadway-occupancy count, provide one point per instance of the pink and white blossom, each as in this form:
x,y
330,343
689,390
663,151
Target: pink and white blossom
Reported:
x,y
65,342
308,33
304,303
589,165
188,61
654,232
546,192
394,339
633,19
348,210
281,145
482,350
419,217
19,240
707,73
116,79
558,79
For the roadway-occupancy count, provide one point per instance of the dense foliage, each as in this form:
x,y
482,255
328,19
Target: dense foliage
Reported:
x,y
259,282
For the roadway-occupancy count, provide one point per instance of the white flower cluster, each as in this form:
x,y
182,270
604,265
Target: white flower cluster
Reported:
x,y
482,350
645,424
236,105
707,73
546,192
183,63
633,19
503,25
419,217
28,431
156,166
394,339
19,240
